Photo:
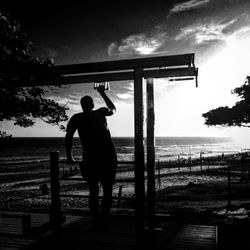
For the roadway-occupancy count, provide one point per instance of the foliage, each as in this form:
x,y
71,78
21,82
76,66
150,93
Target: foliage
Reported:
x,y
24,104
3,135
237,115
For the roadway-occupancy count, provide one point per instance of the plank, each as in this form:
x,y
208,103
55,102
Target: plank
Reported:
x,y
77,233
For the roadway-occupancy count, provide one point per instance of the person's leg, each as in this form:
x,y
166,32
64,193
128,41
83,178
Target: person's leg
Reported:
x,y
106,204
107,181
107,199
94,200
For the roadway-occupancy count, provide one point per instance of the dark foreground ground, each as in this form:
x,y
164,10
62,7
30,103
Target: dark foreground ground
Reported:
x,y
202,194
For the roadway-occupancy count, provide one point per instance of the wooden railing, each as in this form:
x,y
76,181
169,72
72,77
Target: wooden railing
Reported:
x,y
56,218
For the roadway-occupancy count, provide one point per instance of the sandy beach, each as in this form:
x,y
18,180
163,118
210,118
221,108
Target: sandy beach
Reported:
x,y
196,193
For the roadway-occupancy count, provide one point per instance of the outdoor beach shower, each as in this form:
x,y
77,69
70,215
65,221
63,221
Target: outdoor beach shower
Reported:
x,y
104,85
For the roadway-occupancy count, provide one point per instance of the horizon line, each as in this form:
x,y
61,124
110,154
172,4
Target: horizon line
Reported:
x,y
161,136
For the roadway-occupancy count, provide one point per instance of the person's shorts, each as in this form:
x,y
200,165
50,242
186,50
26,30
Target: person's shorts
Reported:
x,y
99,171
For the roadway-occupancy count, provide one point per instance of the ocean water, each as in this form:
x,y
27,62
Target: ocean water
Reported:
x,y
27,150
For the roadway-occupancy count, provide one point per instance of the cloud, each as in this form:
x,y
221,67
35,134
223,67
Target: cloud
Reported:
x,y
67,48
51,52
203,32
111,48
122,91
45,52
138,44
124,96
192,4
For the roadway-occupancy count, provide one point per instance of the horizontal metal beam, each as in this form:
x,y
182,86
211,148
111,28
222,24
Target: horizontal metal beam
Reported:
x,y
181,79
165,73
101,77
146,62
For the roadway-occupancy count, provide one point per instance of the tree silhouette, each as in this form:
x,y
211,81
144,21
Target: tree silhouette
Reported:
x,y
24,105
237,115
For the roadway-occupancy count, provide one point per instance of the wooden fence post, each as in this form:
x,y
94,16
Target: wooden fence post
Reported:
x,y
55,209
229,187
119,197
159,174
201,160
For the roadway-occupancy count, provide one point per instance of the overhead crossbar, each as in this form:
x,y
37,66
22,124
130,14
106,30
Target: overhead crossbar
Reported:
x,y
102,77
145,63
119,70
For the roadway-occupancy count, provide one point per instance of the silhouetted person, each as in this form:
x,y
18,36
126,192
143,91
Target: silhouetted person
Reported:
x,y
99,156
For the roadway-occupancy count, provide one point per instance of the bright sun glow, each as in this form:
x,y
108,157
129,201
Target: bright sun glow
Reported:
x,y
179,109
146,50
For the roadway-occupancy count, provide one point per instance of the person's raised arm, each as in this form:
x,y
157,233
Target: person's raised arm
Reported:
x,y
109,103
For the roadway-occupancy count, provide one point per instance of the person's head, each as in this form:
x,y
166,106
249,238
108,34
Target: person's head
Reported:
x,y
87,103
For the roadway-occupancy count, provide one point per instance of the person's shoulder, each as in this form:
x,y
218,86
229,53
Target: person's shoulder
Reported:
x,y
73,123
76,116
102,111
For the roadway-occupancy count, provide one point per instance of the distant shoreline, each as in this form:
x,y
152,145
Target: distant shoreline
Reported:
x,y
170,136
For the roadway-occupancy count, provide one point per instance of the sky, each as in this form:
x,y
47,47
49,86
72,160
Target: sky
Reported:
x,y
217,31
